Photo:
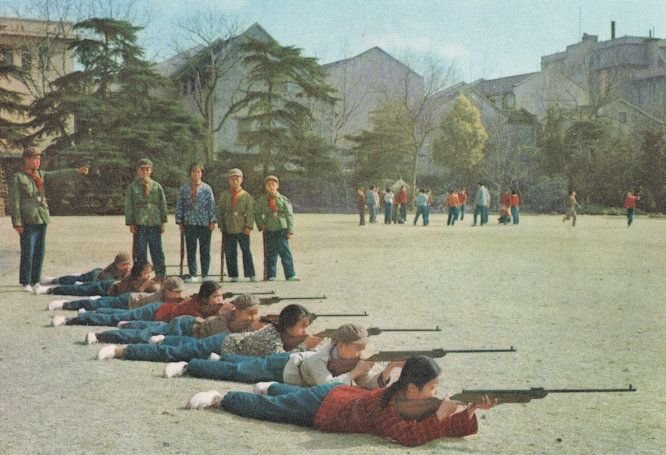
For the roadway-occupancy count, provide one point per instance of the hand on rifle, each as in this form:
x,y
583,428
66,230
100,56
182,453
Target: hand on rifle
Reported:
x,y
386,374
361,369
226,308
483,403
311,342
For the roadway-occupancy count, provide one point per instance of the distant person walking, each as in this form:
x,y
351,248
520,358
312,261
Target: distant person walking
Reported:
x,y
462,199
372,203
422,208
481,204
388,206
146,216
504,205
571,205
630,205
515,204
401,203
196,218
452,203
30,213
360,205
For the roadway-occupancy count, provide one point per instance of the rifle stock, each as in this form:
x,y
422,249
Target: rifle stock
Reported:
x,y
524,396
338,315
389,356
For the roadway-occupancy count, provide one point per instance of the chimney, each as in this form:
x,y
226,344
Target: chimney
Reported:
x,y
612,29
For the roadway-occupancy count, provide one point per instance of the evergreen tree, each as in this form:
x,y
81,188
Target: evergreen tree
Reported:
x,y
108,114
461,140
12,110
280,82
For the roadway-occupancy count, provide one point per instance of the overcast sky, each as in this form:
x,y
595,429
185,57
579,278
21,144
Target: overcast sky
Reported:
x,y
485,38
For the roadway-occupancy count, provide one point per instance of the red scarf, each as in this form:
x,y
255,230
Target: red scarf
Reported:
x,y
37,178
272,202
234,197
193,193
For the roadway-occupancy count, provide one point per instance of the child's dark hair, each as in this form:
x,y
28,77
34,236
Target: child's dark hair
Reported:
x,y
207,289
290,316
138,268
418,370
194,166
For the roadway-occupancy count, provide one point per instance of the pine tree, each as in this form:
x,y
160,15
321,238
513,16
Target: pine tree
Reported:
x,y
12,110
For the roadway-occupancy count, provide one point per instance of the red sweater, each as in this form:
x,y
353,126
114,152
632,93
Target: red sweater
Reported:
x,y
349,409
630,202
515,200
401,197
505,199
462,198
190,307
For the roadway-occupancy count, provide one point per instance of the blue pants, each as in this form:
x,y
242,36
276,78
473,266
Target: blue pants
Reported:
x,y
630,216
200,234
33,248
83,278
231,254
453,216
112,316
421,210
277,244
284,404
178,326
120,302
403,213
176,349
481,211
388,213
372,211
515,214
150,237
462,211
240,368
85,289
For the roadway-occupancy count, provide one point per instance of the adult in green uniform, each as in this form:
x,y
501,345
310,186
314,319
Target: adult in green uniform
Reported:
x,y
146,216
235,213
30,213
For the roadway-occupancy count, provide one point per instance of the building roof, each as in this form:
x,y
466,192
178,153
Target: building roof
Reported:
x,y
373,50
500,85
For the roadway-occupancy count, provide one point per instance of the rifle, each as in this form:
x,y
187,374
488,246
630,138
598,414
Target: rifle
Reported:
x,y
273,318
337,315
264,237
276,299
389,356
228,295
182,251
329,333
222,256
524,396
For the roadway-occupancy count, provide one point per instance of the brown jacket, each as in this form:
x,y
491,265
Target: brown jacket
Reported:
x,y
129,284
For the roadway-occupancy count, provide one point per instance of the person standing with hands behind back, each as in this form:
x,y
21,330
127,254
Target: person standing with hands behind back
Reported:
x,y
146,216
195,215
274,215
30,213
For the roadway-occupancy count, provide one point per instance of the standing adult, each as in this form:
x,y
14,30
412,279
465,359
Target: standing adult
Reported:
x,y
372,204
30,213
388,206
515,203
146,216
274,215
481,204
504,205
462,199
571,204
630,205
422,206
195,215
236,217
452,203
360,205
401,202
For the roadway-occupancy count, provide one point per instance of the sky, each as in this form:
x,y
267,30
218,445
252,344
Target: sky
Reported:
x,y
482,38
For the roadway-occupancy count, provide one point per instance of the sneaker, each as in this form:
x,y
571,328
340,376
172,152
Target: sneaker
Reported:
x,y
38,289
45,279
107,352
78,283
208,278
82,310
175,369
261,388
156,339
272,278
91,338
191,279
26,287
58,321
56,305
252,278
203,400
293,278
123,324
214,356
234,279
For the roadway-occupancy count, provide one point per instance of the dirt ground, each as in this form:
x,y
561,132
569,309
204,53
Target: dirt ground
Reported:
x,y
584,307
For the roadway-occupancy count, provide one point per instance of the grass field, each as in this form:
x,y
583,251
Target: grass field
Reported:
x,y
583,306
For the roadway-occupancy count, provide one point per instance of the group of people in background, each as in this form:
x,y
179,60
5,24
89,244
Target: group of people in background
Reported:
x,y
197,215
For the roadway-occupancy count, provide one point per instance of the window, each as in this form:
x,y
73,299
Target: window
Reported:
x,y
622,117
6,56
26,58
509,101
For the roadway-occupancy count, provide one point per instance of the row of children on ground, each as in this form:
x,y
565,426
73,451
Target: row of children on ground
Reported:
x,y
197,216
455,203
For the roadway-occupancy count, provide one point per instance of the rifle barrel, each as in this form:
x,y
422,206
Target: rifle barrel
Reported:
x,y
436,329
629,389
462,351
334,315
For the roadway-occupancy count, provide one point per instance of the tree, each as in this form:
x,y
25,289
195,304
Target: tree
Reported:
x,y
383,151
460,143
275,116
106,114
213,58
652,171
12,110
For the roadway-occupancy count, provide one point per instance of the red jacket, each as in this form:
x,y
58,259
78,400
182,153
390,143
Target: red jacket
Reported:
x,y
190,307
349,409
515,200
630,202
452,200
505,199
462,198
401,197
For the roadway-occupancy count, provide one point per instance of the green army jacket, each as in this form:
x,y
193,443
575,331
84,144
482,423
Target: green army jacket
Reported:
x,y
27,204
283,219
233,221
145,211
